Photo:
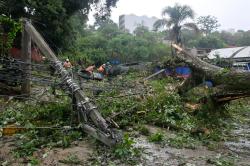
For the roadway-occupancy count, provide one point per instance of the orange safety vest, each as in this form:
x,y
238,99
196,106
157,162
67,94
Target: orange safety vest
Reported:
x,y
101,69
67,65
90,69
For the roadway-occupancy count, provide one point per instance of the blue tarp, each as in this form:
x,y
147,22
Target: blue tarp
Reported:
x,y
114,62
167,72
183,71
209,83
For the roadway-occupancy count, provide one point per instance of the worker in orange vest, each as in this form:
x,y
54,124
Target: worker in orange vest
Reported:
x,y
101,69
67,64
90,69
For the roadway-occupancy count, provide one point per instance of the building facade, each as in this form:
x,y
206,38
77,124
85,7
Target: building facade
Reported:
x,y
130,22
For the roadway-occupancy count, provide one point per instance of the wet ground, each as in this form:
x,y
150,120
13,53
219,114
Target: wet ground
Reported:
x,y
162,154
235,151
77,154
156,154
240,145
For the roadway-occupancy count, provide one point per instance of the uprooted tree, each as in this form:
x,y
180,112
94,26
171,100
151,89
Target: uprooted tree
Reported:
x,y
230,84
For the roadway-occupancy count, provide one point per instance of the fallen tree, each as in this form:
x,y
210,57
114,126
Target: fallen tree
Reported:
x,y
232,84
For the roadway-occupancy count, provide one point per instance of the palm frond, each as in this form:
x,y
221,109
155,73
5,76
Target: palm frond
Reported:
x,y
2,6
192,26
187,12
160,23
178,13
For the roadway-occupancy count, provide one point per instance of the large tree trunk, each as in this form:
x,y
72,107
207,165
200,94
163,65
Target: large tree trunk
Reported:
x,y
231,82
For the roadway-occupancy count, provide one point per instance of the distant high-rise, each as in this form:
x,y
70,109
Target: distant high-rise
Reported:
x,y
130,22
231,30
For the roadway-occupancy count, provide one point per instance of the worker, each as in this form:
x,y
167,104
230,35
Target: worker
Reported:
x,y
108,68
101,69
67,64
90,69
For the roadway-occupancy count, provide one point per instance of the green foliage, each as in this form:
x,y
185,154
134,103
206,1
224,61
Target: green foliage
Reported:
x,y
71,159
141,30
214,39
143,130
207,42
222,161
183,139
239,38
33,161
164,109
207,24
206,125
108,42
244,107
125,149
53,18
8,30
31,116
157,137
219,39
243,39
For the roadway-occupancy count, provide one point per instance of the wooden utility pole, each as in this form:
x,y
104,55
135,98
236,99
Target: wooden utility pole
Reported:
x,y
26,58
86,108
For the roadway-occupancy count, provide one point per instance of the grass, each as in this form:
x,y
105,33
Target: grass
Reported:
x,y
124,153
220,160
157,137
32,116
183,140
71,159
143,130
126,149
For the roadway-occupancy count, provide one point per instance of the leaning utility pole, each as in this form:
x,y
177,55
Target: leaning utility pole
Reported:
x,y
26,58
91,120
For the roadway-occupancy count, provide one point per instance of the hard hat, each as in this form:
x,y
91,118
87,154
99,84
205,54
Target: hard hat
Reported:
x,y
67,59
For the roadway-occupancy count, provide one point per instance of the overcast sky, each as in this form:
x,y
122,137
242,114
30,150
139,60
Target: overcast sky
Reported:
x,y
230,13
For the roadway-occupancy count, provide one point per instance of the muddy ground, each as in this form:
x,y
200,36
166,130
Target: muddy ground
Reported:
x,y
77,154
234,151
84,153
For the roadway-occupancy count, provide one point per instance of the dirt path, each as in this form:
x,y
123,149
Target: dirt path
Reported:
x,y
155,154
77,154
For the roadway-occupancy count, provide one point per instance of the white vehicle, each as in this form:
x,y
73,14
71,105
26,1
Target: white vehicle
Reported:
x,y
242,66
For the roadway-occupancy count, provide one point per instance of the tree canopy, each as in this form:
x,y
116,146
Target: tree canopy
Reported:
x,y
109,42
207,24
53,18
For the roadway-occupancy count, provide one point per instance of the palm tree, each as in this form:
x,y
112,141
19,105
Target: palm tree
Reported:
x,y
2,6
177,15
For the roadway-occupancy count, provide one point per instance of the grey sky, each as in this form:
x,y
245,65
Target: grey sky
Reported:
x,y
230,13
